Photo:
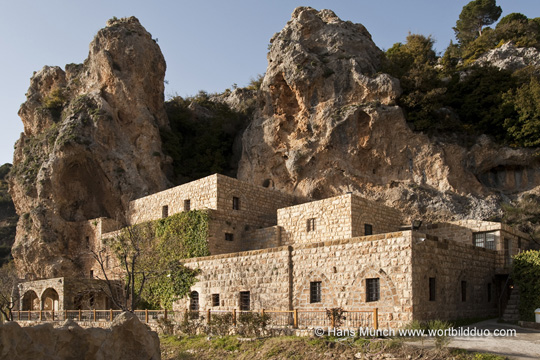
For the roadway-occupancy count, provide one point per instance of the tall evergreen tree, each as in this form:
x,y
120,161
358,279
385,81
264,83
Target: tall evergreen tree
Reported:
x,y
474,16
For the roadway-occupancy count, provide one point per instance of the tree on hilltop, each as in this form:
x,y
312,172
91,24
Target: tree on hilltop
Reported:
x,y
474,16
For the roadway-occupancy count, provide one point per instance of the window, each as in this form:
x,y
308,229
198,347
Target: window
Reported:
x,y
235,203
244,300
372,290
463,290
87,241
315,292
165,211
229,237
91,274
368,229
432,289
485,240
489,292
187,205
311,224
194,301
215,299
519,243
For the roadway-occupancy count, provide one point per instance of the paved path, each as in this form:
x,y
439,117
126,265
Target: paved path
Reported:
x,y
524,346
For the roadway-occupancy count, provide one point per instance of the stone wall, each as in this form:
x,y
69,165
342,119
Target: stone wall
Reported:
x,y
336,218
383,219
279,278
254,201
450,263
69,294
263,238
508,241
343,266
202,194
265,273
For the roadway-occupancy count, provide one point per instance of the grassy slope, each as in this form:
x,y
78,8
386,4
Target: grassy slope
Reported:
x,y
290,348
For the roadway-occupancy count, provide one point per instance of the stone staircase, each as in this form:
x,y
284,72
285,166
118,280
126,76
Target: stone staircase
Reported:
x,y
511,312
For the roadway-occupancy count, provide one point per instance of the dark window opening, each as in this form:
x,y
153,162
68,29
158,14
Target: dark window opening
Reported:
x,y
91,274
87,241
194,301
215,299
187,205
235,203
368,229
311,224
315,292
165,211
432,289
244,300
91,300
372,290
229,237
489,292
463,290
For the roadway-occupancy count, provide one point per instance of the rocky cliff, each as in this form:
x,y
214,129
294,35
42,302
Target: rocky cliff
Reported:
x,y
326,124
8,217
91,143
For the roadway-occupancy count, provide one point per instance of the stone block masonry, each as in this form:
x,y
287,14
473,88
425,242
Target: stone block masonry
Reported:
x,y
340,217
453,280
280,278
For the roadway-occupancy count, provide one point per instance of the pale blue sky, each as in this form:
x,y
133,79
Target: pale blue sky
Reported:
x,y
208,45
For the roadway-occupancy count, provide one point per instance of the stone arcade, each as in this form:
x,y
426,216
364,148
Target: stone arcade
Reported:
x,y
275,251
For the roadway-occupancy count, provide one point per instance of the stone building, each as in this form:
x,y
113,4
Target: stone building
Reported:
x,y
271,250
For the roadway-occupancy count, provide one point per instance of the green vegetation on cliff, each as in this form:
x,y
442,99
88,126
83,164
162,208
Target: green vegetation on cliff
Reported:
x,y
201,139
452,94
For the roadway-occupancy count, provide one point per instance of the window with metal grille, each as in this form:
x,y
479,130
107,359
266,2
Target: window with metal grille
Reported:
x,y
311,224
315,294
165,211
463,290
372,290
187,205
244,300
235,203
229,237
194,301
485,240
368,229
432,289
215,299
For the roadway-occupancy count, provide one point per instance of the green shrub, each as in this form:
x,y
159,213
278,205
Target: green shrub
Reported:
x,y
526,272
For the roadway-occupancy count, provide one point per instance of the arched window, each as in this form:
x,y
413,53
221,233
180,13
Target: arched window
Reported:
x,y
194,301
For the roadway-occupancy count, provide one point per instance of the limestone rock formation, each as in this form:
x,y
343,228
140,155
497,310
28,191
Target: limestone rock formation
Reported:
x,y
327,124
91,143
128,338
510,57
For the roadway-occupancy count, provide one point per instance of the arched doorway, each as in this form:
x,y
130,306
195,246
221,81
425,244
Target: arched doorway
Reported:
x,y
49,300
30,301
